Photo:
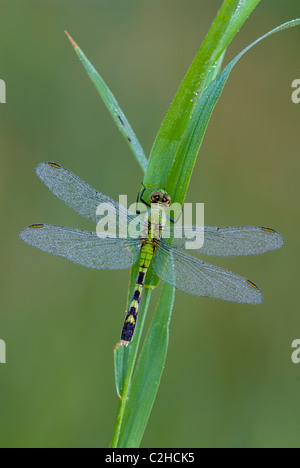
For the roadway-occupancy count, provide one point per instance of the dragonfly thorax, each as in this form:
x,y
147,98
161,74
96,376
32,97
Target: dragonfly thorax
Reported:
x,y
160,202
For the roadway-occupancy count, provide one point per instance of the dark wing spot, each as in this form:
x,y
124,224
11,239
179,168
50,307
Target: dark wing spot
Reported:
x,y
56,166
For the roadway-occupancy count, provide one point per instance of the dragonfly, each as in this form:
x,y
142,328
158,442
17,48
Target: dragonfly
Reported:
x,y
169,260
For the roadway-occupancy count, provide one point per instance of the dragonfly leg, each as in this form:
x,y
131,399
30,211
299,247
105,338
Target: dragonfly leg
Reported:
x,y
140,198
173,221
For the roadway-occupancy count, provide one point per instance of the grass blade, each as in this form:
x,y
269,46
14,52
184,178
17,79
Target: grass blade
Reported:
x,y
242,12
185,157
177,119
112,105
125,358
177,180
148,373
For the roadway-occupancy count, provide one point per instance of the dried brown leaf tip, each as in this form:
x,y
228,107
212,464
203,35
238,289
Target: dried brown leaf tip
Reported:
x,y
71,40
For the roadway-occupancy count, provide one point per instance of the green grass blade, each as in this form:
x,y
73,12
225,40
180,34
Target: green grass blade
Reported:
x,y
121,361
177,119
148,373
214,71
125,358
242,12
185,157
178,177
112,105
122,355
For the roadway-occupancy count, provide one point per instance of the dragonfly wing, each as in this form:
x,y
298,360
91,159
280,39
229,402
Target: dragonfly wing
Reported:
x,y
196,277
230,241
76,193
83,247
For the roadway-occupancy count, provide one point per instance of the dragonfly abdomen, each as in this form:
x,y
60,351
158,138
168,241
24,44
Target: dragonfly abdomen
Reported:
x,y
131,316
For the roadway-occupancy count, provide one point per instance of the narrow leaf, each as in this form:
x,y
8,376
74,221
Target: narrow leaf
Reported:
x,y
185,157
177,119
121,360
148,373
113,107
122,354
242,12
125,359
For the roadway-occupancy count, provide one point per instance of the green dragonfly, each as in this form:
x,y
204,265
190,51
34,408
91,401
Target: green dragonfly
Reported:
x,y
169,261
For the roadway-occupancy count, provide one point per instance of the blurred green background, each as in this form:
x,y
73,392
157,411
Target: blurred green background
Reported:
x,y
229,380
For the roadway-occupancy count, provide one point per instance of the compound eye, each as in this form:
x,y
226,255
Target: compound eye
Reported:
x,y
154,197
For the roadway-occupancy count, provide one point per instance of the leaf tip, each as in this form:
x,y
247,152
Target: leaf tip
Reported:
x,y
71,40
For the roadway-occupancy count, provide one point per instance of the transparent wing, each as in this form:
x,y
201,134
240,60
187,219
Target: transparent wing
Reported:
x,y
76,193
196,277
230,241
83,247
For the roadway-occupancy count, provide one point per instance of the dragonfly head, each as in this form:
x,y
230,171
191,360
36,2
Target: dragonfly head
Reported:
x,y
161,198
